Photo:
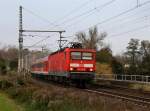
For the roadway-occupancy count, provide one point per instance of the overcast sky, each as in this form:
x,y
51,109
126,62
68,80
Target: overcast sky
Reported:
x,y
74,16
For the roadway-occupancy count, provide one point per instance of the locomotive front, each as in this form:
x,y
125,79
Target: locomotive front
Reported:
x,y
82,64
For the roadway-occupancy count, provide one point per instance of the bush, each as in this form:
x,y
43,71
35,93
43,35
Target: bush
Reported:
x,y
12,92
4,84
20,81
104,55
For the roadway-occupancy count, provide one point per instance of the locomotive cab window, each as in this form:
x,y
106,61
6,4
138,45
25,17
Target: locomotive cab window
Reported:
x,y
87,56
76,55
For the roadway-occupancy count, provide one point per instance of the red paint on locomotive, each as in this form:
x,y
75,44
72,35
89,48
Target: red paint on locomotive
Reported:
x,y
69,62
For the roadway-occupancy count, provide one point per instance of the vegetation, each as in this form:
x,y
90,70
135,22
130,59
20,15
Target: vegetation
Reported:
x,y
92,41
137,57
103,68
36,96
106,63
8,59
7,104
104,55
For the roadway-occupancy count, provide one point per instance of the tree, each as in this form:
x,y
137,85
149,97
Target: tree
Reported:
x,y
145,52
117,66
104,55
132,53
9,58
93,40
145,49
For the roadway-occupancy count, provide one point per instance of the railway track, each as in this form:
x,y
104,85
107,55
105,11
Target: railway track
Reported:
x,y
123,96
108,92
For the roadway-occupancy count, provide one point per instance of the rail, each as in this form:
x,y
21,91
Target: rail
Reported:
x,y
136,99
123,77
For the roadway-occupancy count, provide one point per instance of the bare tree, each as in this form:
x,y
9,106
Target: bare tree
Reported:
x,y
145,55
145,48
93,40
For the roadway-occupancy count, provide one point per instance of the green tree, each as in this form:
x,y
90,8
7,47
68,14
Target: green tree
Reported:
x,y
104,55
133,53
117,66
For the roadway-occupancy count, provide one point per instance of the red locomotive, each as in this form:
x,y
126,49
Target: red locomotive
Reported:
x,y
68,64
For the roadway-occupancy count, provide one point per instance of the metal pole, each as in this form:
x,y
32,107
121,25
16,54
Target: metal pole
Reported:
x,y
20,58
60,46
43,31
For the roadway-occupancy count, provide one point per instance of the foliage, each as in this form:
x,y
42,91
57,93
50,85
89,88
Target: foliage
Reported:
x,y
37,96
145,55
6,104
8,58
104,55
4,84
92,41
132,50
117,67
136,59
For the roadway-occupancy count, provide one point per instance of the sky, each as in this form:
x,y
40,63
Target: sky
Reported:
x,y
74,16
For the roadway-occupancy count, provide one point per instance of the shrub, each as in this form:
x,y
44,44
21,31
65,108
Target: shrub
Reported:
x,y
4,84
20,81
12,92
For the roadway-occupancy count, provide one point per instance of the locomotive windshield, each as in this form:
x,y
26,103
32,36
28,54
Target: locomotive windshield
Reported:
x,y
81,56
76,55
87,56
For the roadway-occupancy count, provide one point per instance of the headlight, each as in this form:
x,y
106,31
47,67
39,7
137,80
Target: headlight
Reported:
x,y
91,69
71,69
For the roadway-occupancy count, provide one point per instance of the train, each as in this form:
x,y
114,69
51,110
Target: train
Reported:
x,y
71,64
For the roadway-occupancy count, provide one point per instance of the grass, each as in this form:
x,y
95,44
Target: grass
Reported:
x,y
34,96
103,68
142,87
6,104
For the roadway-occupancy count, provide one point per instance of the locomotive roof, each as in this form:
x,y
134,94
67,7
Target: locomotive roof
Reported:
x,y
72,49
61,50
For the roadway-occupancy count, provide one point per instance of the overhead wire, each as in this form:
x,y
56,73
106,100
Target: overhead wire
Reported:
x,y
123,13
129,31
101,6
138,19
40,41
79,21
39,16
120,14
111,18
74,10
46,20
87,12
